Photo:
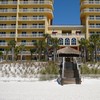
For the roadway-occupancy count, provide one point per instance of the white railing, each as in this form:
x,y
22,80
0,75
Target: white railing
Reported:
x,y
25,43
94,26
91,10
7,18
90,2
32,18
35,2
31,26
8,2
3,44
35,10
30,35
68,35
7,35
7,10
7,27
94,18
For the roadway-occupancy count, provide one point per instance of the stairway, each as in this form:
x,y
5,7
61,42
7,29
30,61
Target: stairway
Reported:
x,y
71,74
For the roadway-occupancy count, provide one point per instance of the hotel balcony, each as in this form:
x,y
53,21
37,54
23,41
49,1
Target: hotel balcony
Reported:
x,y
7,27
8,10
35,10
35,2
61,35
31,27
30,35
8,2
94,26
25,43
3,44
32,18
7,36
7,18
94,18
88,11
90,3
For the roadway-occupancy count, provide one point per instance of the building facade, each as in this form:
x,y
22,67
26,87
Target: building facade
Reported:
x,y
90,16
26,21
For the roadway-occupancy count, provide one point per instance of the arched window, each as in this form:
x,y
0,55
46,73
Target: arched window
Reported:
x,y
60,41
73,41
67,41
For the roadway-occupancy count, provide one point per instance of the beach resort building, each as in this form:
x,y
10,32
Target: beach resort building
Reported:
x,y
26,21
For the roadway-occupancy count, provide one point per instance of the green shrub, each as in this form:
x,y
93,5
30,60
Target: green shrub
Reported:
x,y
51,68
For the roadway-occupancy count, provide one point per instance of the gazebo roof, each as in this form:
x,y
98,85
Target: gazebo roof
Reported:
x,y
68,51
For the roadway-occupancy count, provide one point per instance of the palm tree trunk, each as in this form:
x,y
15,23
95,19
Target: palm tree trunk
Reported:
x,y
13,54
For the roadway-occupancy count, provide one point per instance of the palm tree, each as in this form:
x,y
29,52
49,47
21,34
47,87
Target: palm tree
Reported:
x,y
39,46
95,40
32,51
17,49
6,54
55,45
47,37
21,49
84,49
1,54
12,44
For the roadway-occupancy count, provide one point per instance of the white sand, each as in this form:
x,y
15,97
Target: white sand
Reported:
x,y
50,90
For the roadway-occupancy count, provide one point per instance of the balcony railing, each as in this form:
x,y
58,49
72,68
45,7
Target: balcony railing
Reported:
x,y
7,10
7,35
3,44
94,18
32,18
35,10
25,43
94,26
30,35
31,26
36,2
8,2
91,10
7,18
68,35
90,2
7,27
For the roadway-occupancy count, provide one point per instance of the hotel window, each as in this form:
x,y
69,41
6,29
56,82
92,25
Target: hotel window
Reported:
x,y
41,9
41,1
73,41
24,9
34,25
92,26
91,33
24,17
12,33
98,17
34,17
13,17
13,25
91,9
97,25
40,33
35,9
14,9
60,41
23,42
25,1
24,25
34,33
98,33
91,17
41,17
23,33
33,41
67,41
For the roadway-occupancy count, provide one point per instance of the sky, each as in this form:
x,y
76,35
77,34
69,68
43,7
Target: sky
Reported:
x,y
66,12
